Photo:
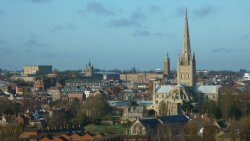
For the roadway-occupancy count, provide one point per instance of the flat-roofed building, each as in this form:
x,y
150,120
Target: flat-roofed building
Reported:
x,y
36,69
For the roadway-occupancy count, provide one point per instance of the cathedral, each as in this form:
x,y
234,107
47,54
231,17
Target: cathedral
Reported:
x,y
168,99
186,65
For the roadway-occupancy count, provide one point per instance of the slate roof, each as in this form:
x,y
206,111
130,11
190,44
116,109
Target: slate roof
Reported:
x,y
174,118
164,88
212,89
152,122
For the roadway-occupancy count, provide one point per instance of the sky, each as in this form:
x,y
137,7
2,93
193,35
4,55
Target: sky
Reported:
x,y
121,34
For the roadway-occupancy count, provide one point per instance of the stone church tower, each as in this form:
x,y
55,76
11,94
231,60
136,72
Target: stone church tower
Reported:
x,y
186,66
89,71
166,71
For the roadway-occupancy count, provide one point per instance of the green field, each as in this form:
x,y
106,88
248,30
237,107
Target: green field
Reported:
x,y
111,129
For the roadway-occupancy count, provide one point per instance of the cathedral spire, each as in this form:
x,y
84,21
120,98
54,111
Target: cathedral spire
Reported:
x,y
186,51
186,62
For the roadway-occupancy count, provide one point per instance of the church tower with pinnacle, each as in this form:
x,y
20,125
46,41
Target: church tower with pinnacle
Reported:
x,y
186,66
166,71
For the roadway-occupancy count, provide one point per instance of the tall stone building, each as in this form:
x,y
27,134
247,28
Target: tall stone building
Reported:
x,y
36,69
186,66
89,70
166,71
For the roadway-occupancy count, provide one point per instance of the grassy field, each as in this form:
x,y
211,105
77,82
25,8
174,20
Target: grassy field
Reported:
x,y
111,129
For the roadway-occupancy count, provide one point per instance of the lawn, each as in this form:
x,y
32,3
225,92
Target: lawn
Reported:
x,y
111,129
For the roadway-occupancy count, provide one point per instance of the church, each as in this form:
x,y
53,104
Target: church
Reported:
x,y
168,99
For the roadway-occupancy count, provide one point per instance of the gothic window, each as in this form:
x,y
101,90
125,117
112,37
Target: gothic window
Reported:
x,y
134,130
140,130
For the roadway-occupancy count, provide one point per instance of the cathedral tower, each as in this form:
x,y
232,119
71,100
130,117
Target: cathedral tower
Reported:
x,y
186,66
89,70
166,71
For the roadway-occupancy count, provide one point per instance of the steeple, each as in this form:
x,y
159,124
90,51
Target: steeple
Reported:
x,y
166,55
186,50
166,71
186,62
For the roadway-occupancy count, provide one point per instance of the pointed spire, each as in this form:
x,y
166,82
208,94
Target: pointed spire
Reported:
x,y
186,50
166,55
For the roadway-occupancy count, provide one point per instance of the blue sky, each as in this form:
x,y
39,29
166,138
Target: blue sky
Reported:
x,y
123,33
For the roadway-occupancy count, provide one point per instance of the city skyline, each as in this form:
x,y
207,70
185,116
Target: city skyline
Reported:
x,y
69,34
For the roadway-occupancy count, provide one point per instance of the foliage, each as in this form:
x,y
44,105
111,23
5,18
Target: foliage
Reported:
x,y
97,108
112,129
245,128
10,133
209,132
187,106
234,111
208,107
191,131
8,107
218,113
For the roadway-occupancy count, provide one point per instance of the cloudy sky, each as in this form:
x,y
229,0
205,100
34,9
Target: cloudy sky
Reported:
x,y
123,33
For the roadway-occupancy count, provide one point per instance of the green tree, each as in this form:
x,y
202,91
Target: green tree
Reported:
x,y
234,111
97,108
218,113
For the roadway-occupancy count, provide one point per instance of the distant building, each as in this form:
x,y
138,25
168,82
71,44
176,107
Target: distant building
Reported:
x,y
173,96
208,92
132,113
147,126
162,128
80,86
19,90
79,96
140,77
89,70
166,71
36,69
246,77
54,92
38,85
109,75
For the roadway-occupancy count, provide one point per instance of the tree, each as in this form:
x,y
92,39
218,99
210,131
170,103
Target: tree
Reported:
x,y
97,108
209,132
208,107
225,100
234,111
218,113
245,128
191,131
9,133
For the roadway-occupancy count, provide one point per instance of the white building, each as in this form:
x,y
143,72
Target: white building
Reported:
x,y
246,77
